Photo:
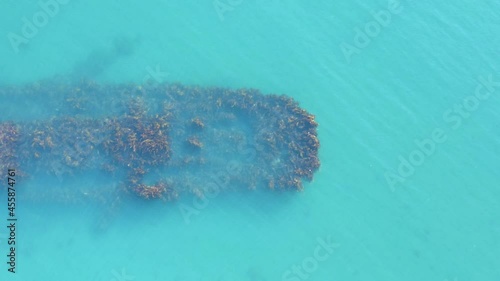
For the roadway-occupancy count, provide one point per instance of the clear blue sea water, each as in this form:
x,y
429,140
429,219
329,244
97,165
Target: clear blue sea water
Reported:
x,y
408,188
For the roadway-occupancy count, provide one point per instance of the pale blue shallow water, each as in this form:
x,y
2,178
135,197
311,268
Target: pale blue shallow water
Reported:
x,y
374,106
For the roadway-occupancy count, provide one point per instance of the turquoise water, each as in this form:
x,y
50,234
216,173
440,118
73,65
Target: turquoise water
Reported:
x,y
415,81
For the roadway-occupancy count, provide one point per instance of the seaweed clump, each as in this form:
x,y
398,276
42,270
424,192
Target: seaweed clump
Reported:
x,y
137,140
158,190
137,143
9,137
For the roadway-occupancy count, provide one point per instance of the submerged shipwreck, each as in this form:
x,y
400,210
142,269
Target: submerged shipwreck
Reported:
x,y
158,141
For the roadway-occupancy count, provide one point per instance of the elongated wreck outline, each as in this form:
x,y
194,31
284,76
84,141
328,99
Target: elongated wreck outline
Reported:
x,y
167,139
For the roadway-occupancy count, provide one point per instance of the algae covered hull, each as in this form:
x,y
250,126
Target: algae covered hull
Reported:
x,y
156,141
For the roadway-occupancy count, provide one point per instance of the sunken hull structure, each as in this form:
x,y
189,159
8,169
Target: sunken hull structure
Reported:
x,y
159,141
